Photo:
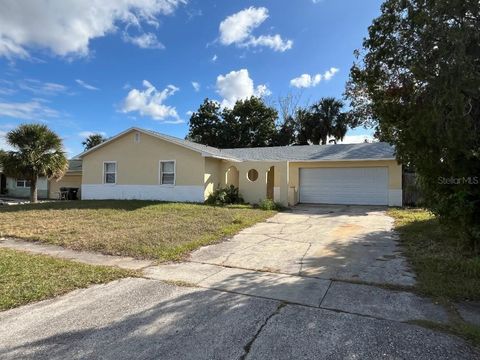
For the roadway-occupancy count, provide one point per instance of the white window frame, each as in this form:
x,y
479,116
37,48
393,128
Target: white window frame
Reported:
x,y
104,173
160,172
24,184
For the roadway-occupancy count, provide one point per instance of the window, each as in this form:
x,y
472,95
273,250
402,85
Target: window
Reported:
x,y
167,172
109,172
21,183
252,175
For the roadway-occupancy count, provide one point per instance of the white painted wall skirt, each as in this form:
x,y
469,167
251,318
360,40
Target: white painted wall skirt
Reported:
x,y
143,192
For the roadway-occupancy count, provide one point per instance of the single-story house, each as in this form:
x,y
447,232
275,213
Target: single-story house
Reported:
x,y
71,179
143,164
20,188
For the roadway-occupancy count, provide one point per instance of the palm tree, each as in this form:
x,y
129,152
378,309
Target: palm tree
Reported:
x,y
93,140
38,151
324,119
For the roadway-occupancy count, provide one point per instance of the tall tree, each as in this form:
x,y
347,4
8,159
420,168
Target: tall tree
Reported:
x,y
93,140
322,120
287,128
250,123
37,151
286,132
418,81
206,125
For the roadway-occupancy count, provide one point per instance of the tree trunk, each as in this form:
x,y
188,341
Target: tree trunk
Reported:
x,y
33,190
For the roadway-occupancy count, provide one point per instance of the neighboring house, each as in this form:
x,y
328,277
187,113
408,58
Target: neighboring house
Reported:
x,y
142,164
71,179
20,188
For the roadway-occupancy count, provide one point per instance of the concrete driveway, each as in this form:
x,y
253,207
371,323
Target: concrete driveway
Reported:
x,y
353,243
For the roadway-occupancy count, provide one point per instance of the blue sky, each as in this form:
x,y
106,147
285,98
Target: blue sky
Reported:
x,y
103,66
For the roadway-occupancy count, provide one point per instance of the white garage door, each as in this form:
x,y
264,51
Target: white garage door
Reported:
x,y
360,186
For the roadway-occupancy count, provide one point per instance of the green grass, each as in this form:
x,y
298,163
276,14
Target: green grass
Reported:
x,y
142,229
445,269
26,278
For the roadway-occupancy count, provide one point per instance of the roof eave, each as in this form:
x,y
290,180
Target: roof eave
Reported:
x,y
220,157
158,136
332,160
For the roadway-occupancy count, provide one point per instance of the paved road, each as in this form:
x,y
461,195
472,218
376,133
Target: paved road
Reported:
x,y
148,319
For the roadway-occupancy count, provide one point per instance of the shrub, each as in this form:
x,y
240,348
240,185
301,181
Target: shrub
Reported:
x,y
269,204
225,196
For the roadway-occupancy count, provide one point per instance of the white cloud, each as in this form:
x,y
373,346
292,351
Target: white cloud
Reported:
x,y
86,85
274,42
32,110
150,102
7,126
196,86
330,73
144,41
189,113
86,134
237,29
307,80
66,28
41,88
214,58
3,141
237,85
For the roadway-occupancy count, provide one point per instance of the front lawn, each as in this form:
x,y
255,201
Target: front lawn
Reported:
x,y
26,278
444,268
142,229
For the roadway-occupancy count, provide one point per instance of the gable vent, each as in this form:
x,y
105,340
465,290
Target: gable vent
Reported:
x,y
137,138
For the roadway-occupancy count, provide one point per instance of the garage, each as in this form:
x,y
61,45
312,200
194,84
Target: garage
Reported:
x,y
354,186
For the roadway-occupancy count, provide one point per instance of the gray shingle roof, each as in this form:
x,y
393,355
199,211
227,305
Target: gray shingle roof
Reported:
x,y
331,152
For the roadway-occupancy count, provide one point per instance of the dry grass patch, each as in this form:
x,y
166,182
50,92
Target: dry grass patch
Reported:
x,y
142,229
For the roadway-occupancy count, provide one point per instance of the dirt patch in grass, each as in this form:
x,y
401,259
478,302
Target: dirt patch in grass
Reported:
x,y
26,278
142,229
445,269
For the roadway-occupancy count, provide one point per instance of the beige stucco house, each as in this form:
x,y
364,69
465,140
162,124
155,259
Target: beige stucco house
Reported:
x,y
142,164
71,179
